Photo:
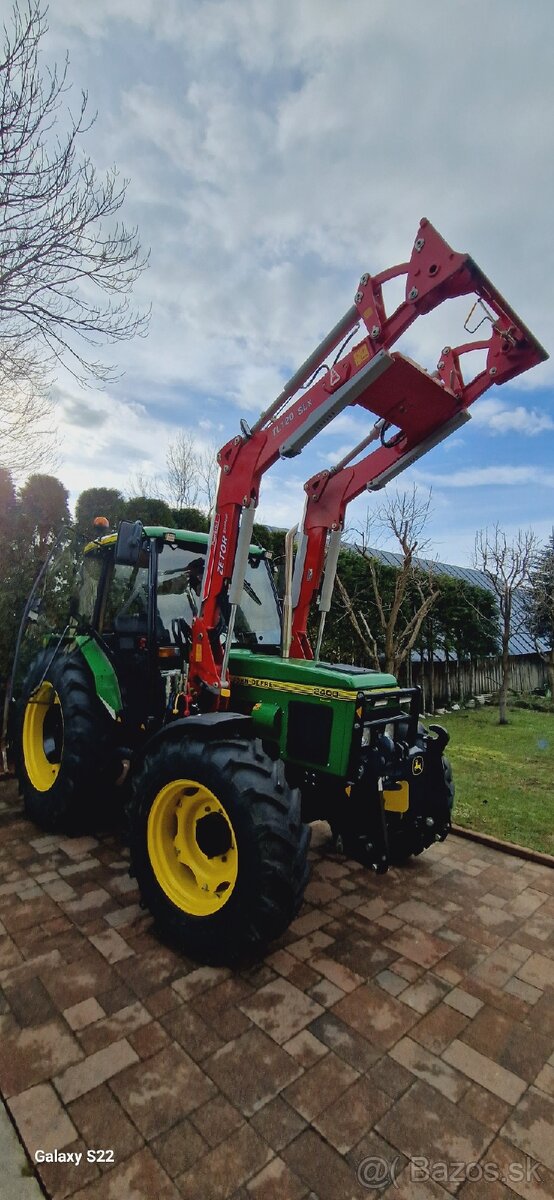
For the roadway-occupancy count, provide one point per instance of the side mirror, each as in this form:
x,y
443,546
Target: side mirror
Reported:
x,y
129,543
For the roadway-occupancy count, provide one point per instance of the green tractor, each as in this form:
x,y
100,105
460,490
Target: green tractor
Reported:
x,y
217,803
175,678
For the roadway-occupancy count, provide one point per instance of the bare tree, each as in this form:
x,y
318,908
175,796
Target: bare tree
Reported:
x,y
141,484
182,471
208,474
506,566
27,430
401,613
405,515
66,268
540,607
360,625
190,479
192,472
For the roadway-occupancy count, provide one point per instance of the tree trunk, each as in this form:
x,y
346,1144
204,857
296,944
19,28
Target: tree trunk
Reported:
x,y
550,670
447,685
431,661
503,695
422,679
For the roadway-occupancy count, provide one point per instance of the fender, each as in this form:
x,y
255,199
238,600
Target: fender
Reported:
x,y
211,724
103,673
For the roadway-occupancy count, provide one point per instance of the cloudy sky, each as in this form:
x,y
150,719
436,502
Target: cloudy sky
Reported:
x,y
275,150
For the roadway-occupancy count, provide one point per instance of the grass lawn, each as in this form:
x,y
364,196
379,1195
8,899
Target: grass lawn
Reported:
x,y
504,774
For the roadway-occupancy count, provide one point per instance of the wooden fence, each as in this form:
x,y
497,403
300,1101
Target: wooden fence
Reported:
x,y
480,677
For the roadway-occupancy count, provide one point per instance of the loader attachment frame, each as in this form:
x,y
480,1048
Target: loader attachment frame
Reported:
x,y
403,396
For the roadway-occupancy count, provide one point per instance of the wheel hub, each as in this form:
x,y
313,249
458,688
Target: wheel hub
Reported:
x,y
43,737
192,847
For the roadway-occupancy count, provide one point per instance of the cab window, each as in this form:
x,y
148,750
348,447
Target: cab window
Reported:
x,y
180,574
126,606
90,574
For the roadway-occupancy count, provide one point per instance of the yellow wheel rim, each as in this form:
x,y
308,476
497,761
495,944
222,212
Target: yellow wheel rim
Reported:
x,y
43,737
192,847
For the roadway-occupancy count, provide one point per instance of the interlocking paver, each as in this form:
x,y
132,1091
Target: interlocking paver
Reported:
x,y
437,1029
276,1182
531,1125
344,1122
424,1122
29,1056
179,1148
216,1120
103,1125
251,1070
463,1002
545,1079
110,1029
320,1085
322,1168
378,1017
376,1027
83,1014
487,1108
338,974
94,1069
29,1002
344,1040
278,1123
483,1070
281,1009
112,945
424,994
42,1120
140,1176
538,970
159,1091
61,1179
427,1066
423,948
527,1178
220,1172
193,1034
149,1039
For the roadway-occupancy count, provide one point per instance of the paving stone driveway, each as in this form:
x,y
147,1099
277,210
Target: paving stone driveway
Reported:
x,y
408,1016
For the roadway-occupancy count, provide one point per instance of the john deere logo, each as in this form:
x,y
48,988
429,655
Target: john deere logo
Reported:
x,y
417,764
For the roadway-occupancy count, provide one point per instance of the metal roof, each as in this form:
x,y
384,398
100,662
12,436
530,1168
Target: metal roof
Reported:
x,y
521,641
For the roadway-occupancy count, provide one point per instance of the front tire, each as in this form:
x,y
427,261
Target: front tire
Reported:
x,y
63,741
217,846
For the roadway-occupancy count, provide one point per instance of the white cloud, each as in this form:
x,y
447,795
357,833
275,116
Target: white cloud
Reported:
x,y
500,418
493,476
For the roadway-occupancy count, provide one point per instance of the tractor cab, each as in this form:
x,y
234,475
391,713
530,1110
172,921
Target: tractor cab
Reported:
x,y
157,596
139,599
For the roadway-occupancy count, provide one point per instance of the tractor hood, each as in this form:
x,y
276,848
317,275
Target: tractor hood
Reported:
x,y
332,680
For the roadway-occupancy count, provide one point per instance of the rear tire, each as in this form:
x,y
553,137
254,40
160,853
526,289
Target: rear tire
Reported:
x,y
63,746
217,846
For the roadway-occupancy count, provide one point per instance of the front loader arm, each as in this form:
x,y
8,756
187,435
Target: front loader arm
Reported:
x,y
369,377
422,410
